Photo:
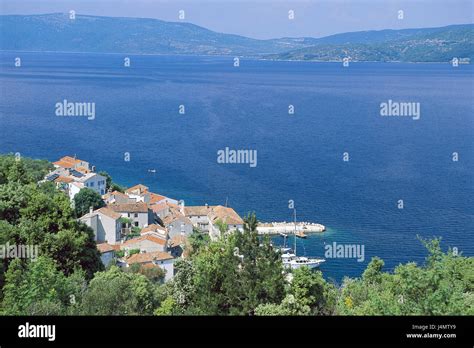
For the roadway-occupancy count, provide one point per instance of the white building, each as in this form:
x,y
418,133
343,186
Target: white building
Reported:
x,y
71,175
105,223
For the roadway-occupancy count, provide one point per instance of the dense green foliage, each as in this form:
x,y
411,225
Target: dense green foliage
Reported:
x,y
39,288
237,274
85,199
115,292
444,286
40,215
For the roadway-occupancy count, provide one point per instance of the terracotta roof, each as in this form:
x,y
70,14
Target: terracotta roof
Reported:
x,y
64,164
152,228
148,237
117,194
105,248
109,212
82,170
200,210
149,257
226,214
178,240
139,187
159,207
154,198
168,219
138,207
64,179
67,162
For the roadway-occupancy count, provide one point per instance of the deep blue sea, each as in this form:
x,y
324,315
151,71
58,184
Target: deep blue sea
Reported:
x,y
300,156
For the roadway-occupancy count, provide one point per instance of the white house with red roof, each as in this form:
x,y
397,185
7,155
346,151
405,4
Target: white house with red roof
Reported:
x,y
72,175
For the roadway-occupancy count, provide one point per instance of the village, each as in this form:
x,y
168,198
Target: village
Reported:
x,y
139,226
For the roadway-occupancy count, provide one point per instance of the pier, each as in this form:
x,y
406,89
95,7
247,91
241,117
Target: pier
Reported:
x,y
285,228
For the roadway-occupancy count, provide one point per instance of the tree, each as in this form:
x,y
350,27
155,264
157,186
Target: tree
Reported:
x,y
312,293
39,288
232,275
443,286
114,292
23,170
198,240
85,199
167,307
41,215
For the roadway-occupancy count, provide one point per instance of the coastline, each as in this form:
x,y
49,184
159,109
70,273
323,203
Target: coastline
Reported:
x,y
255,58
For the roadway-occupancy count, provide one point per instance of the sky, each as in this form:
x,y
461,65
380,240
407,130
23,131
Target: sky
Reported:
x,y
264,19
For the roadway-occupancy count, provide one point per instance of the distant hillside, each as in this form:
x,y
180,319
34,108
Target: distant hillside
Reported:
x,y
56,32
411,45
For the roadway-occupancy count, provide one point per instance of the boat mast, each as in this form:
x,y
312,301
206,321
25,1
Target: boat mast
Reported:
x,y
294,213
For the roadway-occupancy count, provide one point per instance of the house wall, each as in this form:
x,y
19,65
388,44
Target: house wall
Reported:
x,y
107,257
162,213
175,228
105,228
145,246
110,229
168,266
96,183
73,190
201,221
143,219
93,222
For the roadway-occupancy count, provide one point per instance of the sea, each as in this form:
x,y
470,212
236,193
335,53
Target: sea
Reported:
x,y
377,182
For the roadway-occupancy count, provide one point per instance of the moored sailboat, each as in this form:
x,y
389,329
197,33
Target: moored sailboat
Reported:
x,y
292,261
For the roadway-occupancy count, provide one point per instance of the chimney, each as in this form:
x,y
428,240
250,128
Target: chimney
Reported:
x,y
91,210
206,205
181,207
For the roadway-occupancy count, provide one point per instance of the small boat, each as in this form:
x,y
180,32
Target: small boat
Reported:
x,y
292,261
300,234
301,261
151,170
283,234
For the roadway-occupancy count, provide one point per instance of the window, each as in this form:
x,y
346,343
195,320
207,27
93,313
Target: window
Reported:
x,y
136,223
135,215
92,184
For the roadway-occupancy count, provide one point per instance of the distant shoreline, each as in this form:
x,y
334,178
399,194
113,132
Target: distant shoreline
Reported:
x,y
232,56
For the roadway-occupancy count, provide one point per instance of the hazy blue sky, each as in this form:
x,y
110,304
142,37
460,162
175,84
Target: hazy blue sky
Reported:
x,y
269,18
